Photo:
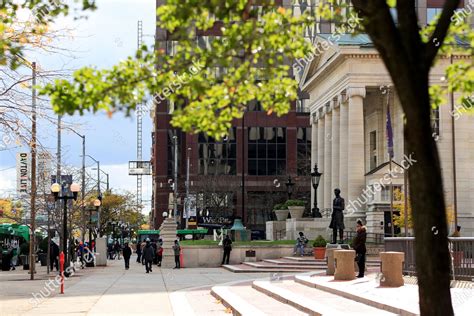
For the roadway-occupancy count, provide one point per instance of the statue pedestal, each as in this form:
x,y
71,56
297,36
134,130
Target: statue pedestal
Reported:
x,y
311,227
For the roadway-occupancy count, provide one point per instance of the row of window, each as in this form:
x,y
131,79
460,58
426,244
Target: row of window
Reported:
x,y
266,152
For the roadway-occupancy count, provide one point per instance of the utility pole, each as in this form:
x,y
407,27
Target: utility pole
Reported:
x,y
175,188
139,126
33,173
187,186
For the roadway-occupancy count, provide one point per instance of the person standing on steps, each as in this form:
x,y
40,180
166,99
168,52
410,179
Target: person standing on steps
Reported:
x,y
148,254
176,250
359,247
127,253
227,244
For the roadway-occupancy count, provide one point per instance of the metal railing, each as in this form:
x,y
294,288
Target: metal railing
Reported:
x,y
372,238
461,250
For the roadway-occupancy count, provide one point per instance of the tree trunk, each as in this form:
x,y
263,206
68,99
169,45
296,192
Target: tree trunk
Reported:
x,y
427,197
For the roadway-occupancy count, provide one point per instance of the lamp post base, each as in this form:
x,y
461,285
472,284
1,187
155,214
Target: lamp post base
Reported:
x,y
316,213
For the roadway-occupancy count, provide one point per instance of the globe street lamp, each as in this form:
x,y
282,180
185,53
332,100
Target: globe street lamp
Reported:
x,y
55,190
315,178
289,187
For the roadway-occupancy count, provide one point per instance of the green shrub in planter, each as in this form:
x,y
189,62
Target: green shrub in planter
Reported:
x,y
281,206
295,203
319,242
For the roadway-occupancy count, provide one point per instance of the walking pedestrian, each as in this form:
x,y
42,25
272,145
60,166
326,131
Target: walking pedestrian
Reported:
x,y
143,247
148,255
139,252
359,247
159,255
127,253
176,250
227,244
54,256
155,249
117,249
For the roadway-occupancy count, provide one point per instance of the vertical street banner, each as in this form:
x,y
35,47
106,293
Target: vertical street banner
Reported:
x,y
23,171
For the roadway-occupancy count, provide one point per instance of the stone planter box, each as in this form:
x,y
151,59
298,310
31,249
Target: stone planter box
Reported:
x,y
296,212
281,215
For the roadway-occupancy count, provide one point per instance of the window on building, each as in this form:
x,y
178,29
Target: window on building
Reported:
x,y
171,151
218,157
435,121
432,13
303,148
373,150
254,106
385,193
266,151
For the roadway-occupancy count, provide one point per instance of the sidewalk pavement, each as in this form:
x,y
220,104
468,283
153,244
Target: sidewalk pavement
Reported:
x,y
108,290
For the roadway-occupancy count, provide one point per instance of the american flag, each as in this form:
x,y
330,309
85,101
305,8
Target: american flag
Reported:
x,y
389,134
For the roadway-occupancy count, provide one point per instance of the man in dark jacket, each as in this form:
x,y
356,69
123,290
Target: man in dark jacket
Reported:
x,y
54,256
227,243
148,255
127,253
359,247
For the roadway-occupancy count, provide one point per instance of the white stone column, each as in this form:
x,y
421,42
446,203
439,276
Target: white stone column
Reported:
x,y
327,160
343,141
335,145
356,170
314,149
321,123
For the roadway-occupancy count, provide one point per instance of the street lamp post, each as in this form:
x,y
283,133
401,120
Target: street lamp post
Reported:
x,y
315,178
55,188
98,192
289,187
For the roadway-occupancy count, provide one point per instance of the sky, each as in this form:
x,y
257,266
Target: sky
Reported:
x,y
107,36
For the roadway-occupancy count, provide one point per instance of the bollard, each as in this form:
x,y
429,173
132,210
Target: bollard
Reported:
x,y
391,267
344,260
61,270
330,261
181,258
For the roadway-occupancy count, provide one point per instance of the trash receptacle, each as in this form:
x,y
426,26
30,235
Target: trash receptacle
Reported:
x,y
42,259
6,260
25,262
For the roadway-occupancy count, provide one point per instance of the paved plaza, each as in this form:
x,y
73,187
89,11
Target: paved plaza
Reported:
x,y
111,290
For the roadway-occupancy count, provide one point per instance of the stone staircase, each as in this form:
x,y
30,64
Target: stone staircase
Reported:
x,y
288,264
289,296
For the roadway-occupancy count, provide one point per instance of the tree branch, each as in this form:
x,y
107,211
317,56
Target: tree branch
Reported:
x,y
432,47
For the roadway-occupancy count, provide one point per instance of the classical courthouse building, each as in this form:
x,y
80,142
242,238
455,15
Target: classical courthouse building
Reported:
x,y
349,93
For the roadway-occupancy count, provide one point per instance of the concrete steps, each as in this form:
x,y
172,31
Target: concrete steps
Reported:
x,y
287,264
314,301
242,299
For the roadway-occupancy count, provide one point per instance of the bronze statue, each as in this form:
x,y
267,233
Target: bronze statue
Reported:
x,y
337,218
